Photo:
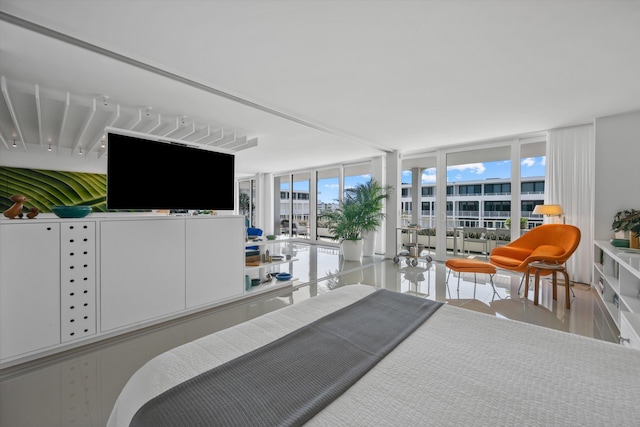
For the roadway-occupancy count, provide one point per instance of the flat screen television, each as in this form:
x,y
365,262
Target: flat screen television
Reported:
x,y
144,174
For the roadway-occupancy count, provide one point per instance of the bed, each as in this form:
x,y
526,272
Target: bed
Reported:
x,y
458,367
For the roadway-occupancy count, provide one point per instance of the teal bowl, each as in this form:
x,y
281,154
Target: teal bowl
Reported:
x,y
71,211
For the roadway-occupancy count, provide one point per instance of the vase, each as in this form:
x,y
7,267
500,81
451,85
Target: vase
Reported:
x,y
351,250
369,243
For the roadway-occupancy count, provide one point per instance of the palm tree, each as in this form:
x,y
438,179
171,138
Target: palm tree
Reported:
x,y
369,197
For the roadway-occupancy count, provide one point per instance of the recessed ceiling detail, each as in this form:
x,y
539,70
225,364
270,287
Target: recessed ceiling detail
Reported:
x,y
46,119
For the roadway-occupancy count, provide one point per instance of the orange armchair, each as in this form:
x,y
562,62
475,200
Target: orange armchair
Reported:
x,y
548,243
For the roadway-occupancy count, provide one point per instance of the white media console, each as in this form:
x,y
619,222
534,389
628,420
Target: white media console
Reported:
x,y
70,282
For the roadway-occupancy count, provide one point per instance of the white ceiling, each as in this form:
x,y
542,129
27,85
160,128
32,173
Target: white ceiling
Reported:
x,y
316,82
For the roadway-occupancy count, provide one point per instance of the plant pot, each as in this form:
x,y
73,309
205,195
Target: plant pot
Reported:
x,y
351,250
634,242
369,243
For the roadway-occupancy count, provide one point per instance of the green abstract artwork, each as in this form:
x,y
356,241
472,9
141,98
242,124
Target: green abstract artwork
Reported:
x,y
46,188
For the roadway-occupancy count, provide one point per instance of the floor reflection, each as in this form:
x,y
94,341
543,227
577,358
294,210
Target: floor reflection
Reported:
x,y
79,388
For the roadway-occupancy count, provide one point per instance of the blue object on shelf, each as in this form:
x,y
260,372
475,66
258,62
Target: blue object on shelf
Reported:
x,y
71,211
254,231
283,276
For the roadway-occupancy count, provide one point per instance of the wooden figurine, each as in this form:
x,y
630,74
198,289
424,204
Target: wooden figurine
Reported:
x,y
33,212
16,209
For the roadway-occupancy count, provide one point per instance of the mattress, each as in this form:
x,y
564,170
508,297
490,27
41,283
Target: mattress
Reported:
x,y
458,368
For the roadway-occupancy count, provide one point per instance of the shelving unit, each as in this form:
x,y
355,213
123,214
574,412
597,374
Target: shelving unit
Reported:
x,y
616,277
260,271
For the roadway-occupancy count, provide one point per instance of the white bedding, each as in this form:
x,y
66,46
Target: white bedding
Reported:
x,y
459,368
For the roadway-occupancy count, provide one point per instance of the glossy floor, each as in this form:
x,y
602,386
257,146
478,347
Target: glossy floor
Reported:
x,y
79,388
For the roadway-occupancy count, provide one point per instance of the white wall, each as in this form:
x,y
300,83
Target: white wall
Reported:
x,y
39,158
617,158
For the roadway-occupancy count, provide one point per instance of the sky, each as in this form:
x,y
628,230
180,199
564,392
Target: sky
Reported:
x,y
529,167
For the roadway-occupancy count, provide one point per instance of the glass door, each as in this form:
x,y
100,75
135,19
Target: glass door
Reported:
x,y
300,212
328,190
418,203
478,198
532,181
246,202
282,205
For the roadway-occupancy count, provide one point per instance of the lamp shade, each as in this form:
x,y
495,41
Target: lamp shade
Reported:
x,y
549,210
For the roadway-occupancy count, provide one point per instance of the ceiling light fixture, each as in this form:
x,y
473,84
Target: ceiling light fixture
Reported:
x,y
80,152
14,144
49,149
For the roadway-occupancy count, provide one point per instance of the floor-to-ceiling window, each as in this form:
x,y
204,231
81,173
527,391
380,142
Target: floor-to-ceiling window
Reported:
x,y
247,200
418,200
479,187
532,180
328,194
283,205
356,174
300,203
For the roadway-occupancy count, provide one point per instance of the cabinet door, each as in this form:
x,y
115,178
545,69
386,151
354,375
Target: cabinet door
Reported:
x,y
29,287
142,270
77,280
215,259
628,331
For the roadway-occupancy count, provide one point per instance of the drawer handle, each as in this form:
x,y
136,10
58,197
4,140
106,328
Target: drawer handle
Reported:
x,y
622,340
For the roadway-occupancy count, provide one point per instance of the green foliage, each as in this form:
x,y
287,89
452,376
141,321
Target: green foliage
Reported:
x,y
359,212
347,221
627,220
523,223
370,196
245,204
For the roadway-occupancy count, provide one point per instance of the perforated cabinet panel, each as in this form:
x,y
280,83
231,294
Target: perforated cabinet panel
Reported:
x,y
78,280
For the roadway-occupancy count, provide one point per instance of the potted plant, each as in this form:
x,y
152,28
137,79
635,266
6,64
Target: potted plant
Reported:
x,y
370,197
346,224
628,221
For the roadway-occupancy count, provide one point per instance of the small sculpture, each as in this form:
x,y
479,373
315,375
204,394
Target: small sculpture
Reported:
x,y
16,209
33,212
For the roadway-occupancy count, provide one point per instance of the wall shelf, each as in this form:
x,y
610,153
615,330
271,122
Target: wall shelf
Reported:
x,y
616,276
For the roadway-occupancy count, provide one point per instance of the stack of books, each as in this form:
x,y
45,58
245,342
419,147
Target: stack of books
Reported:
x,y
252,257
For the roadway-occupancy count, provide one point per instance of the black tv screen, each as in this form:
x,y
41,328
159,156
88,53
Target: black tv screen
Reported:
x,y
147,174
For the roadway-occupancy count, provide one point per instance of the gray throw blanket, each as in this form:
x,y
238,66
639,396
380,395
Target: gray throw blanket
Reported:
x,y
288,381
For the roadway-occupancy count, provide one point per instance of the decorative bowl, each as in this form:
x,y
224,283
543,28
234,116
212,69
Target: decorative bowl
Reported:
x,y
283,276
71,211
271,237
255,282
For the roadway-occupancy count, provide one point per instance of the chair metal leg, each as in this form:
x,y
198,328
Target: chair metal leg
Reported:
x,y
525,274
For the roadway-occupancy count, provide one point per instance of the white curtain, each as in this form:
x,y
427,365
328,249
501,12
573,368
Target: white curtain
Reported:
x,y
570,178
